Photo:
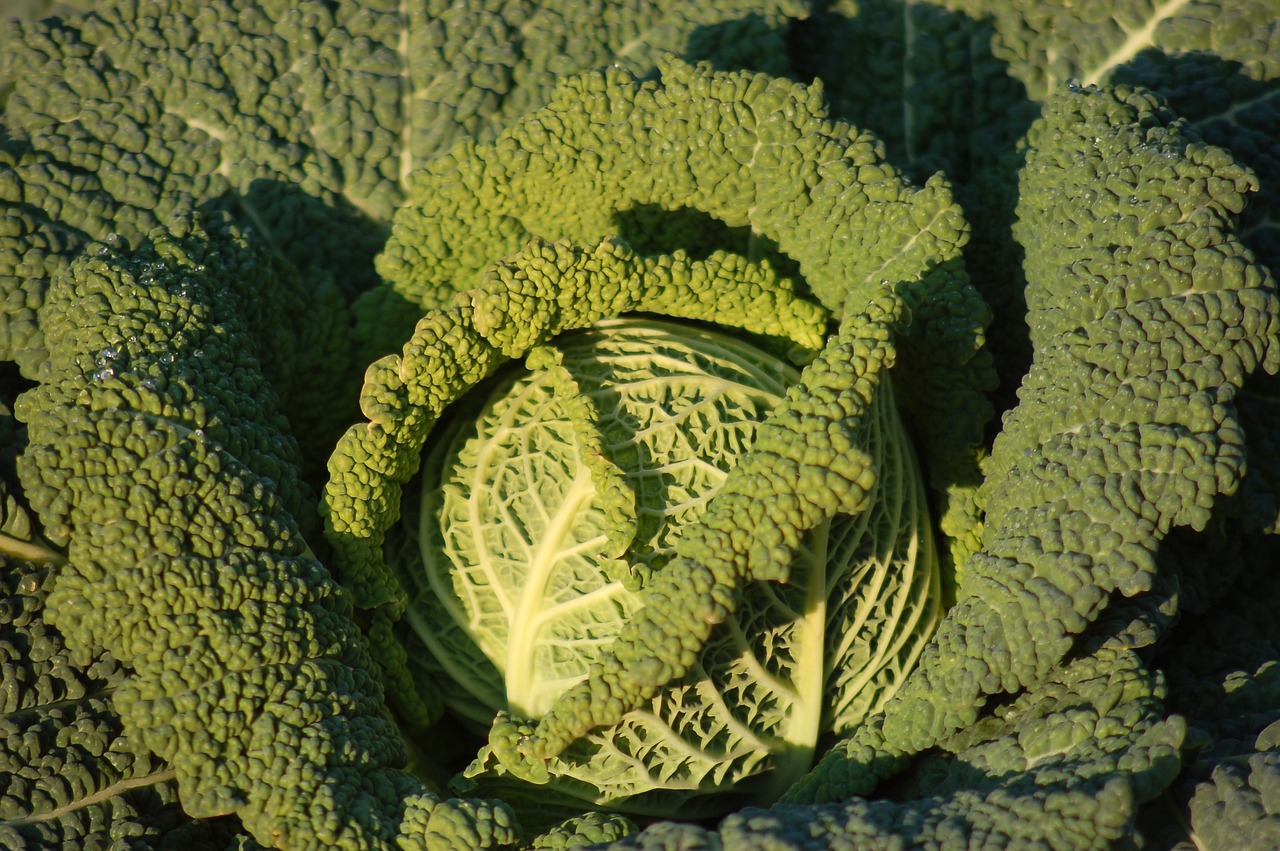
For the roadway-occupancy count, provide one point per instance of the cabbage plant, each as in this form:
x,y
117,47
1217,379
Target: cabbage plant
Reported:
x,y
592,529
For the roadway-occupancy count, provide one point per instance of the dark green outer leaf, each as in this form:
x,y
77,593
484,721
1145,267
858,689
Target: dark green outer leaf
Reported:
x,y
303,119
1147,314
955,84
70,778
155,453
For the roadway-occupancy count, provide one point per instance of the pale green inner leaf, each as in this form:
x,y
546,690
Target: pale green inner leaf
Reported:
x,y
521,535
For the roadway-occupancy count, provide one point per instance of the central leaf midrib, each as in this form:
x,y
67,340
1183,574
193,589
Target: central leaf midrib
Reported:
x,y
530,599
805,719
1135,41
406,103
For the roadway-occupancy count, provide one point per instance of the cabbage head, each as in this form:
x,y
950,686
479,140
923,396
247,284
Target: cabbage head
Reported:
x,y
545,510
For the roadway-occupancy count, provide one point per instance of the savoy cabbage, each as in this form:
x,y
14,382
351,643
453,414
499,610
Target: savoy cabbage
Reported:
x,y
494,424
